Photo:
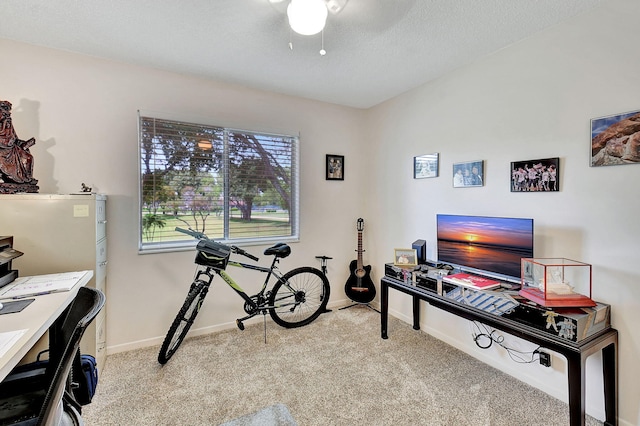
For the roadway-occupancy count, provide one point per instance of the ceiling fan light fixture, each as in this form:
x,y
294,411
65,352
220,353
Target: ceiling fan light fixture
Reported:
x,y
307,17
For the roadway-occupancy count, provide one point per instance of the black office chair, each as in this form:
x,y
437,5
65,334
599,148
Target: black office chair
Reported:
x,y
47,399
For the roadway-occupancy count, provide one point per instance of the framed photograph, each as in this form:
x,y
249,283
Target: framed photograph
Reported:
x,y
335,167
470,173
536,175
425,166
405,258
615,139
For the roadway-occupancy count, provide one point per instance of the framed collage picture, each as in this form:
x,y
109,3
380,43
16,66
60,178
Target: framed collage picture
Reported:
x,y
536,175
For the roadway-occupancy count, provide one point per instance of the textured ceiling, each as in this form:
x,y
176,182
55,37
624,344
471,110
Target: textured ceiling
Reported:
x,y
376,49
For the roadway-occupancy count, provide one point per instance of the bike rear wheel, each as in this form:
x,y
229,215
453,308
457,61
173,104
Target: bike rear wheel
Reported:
x,y
299,297
185,318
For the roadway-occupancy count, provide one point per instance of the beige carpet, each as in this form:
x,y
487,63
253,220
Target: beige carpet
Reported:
x,y
336,371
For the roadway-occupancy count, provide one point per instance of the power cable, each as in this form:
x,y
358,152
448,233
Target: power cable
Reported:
x,y
484,338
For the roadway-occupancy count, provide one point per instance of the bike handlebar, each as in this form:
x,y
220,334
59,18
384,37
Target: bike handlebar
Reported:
x,y
244,253
195,234
202,236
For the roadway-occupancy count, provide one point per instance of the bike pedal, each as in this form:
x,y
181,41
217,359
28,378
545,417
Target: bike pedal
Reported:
x,y
240,325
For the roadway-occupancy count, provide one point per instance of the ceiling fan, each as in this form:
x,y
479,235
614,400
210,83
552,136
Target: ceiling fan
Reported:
x,y
308,17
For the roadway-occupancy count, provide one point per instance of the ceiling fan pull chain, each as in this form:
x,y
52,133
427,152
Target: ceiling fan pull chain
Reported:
x,y
290,39
322,51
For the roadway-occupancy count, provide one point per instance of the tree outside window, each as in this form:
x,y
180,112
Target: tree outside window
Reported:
x,y
232,185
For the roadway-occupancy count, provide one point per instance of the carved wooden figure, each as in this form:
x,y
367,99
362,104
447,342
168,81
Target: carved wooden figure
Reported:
x,y
16,162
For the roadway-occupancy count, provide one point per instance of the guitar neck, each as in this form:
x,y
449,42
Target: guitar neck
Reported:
x,y
360,250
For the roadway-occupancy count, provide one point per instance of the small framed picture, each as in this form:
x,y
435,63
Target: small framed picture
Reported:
x,y
335,167
470,173
425,166
405,258
615,139
536,175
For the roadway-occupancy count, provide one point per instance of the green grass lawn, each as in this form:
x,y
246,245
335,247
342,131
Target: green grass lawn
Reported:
x,y
262,224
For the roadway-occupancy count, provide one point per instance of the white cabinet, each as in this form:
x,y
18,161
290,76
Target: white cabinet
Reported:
x,y
61,233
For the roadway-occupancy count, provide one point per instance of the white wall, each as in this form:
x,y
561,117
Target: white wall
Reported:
x,y
83,113
532,100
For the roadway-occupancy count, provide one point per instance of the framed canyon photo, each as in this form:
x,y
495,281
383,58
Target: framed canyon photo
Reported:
x,y
536,175
615,139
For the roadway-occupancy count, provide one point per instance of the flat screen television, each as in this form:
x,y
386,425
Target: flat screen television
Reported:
x,y
489,244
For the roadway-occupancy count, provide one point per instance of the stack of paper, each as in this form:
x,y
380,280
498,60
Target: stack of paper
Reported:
x,y
8,339
41,284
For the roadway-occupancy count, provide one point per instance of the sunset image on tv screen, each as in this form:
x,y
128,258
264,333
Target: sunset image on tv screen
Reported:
x,y
493,244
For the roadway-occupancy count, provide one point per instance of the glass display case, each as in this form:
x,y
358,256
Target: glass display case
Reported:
x,y
556,282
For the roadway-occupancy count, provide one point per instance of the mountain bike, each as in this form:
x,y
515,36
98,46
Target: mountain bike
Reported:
x,y
297,297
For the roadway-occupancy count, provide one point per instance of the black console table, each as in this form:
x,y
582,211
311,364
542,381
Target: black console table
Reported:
x,y
575,353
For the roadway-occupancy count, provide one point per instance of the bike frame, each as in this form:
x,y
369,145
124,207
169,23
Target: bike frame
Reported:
x,y
273,270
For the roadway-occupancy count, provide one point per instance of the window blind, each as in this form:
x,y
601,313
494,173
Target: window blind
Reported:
x,y
233,185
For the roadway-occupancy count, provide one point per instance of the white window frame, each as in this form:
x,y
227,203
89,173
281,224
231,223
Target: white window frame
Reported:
x,y
187,242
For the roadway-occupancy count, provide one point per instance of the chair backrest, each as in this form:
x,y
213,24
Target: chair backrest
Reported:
x,y
84,308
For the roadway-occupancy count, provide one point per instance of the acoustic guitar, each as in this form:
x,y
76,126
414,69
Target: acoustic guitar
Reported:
x,y
359,286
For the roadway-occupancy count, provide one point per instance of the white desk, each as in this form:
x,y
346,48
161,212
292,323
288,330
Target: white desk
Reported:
x,y
36,319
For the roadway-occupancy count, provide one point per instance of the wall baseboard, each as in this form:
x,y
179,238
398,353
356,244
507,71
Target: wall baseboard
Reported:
x,y
157,341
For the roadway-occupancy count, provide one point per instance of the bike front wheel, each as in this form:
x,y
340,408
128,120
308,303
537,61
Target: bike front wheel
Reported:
x,y
185,318
299,297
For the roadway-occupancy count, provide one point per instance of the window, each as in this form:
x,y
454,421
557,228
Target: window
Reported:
x,y
233,185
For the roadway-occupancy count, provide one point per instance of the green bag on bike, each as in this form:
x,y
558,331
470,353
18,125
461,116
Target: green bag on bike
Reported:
x,y
211,253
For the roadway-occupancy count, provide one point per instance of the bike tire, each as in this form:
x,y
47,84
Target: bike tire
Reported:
x,y
183,321
299,297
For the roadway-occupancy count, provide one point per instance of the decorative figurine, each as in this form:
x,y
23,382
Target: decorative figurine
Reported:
x,y
16,162
85,188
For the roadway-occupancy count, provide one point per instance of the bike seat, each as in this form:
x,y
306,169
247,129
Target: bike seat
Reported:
x,y
279,250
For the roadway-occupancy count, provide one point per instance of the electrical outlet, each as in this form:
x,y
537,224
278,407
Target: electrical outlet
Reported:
x,y
545,358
